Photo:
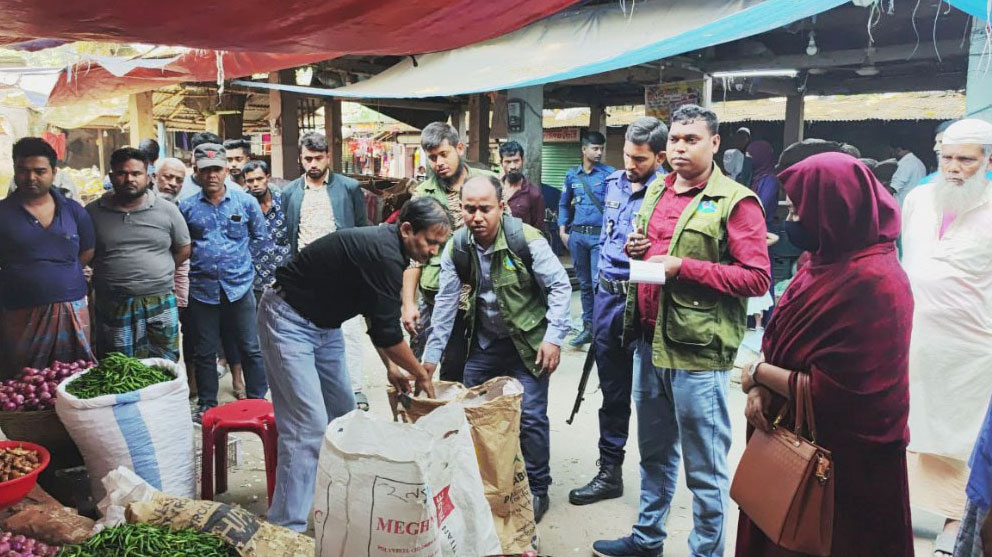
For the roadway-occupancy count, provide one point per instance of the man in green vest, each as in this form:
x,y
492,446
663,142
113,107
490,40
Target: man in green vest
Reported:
x,y
517,314
708,232
446,158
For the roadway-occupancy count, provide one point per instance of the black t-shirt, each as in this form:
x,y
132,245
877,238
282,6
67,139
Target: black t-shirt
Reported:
x,y
347,273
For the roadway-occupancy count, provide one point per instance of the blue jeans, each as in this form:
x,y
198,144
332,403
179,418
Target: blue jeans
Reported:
x,y
585,258
237,317
501,359
614,364
683,412
310,387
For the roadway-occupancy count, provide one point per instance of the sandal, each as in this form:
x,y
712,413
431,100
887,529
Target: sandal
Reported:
x,y
361,402
944,544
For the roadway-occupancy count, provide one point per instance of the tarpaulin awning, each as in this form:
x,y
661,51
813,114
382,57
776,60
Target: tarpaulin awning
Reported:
x,y
34,84
103,78
583,42
297,26
981,9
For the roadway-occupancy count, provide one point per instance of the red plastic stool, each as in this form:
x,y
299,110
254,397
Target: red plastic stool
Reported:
x,y
252,415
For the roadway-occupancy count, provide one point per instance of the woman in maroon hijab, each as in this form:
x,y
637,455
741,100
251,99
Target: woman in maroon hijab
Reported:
x,y
845,320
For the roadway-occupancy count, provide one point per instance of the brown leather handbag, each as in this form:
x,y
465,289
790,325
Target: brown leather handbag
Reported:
x,y
784,482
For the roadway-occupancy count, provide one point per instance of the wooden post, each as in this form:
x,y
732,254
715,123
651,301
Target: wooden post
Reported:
x,y
532,137
285,127
101,150
232,121
460,123
332,128
978,91
478,129
213,124
597,119
795,119
140,117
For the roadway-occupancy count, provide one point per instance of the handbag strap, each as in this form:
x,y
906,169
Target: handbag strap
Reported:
x,y
803,409
808,401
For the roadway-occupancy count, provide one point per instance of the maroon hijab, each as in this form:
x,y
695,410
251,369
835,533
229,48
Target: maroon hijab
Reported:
x,y
847,315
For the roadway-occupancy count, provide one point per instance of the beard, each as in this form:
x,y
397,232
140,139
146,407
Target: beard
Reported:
x,y
170,197
448,182
514,176
635,178
958,198
129,196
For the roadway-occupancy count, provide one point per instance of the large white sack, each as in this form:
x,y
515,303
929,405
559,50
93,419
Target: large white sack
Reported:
x,y
149,431
386,488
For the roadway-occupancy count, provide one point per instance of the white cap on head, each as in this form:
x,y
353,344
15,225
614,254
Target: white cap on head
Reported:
x,y
970,131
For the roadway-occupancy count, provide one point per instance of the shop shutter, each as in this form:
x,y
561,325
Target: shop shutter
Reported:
x,y
556,159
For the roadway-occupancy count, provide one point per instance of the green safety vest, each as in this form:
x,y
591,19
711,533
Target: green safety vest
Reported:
x,y
522,300
697,328
430,274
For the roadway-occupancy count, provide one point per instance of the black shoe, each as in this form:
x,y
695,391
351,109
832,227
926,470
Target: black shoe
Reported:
x,y
623,547
541,504
608,484
198,413
584,337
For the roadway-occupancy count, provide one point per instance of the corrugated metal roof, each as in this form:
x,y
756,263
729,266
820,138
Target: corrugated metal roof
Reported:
x,y
933,105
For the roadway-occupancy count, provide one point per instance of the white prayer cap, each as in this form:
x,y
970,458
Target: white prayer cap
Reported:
x,y
970,131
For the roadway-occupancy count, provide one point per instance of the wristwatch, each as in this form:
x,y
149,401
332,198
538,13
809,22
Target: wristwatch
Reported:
x,y
752,370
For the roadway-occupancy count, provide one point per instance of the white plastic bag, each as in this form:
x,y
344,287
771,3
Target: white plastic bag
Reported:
x,y
123,487
386,488
149,431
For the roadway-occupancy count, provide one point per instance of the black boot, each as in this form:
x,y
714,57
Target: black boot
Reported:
x,y
608,484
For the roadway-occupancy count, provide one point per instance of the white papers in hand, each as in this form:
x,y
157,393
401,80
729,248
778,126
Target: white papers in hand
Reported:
x,y
643,272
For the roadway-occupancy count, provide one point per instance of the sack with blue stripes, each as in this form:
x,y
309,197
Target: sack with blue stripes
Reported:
x,y
149,431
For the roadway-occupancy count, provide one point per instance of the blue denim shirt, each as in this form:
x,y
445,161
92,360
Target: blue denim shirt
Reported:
x,y
191,188
267,256
575,208
221,234
619,208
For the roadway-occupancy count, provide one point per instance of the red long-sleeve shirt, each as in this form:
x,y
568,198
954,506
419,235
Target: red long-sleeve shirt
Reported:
x,y
747,276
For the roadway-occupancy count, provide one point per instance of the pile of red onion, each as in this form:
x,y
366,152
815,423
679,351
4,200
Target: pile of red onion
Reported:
x,y
34,389
21,546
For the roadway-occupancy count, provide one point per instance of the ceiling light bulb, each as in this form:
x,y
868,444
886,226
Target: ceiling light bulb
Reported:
x,y
811,48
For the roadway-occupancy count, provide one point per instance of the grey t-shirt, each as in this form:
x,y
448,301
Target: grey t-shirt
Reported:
x,y
134,249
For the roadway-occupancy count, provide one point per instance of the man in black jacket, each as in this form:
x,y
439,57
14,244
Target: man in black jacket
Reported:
x,y
358,271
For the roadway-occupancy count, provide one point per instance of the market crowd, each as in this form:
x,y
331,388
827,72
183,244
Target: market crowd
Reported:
x,y
281,284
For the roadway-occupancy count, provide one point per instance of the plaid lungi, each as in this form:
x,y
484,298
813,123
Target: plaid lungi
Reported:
x,y
969,542
139,326
40,335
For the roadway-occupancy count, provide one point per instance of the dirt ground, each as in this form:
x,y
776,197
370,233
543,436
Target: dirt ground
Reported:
x,y
566,529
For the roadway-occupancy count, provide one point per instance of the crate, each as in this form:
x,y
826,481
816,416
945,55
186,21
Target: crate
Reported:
x,y
234,455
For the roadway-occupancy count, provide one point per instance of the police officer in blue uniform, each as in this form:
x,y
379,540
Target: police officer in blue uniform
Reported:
x,y
643,154
580,222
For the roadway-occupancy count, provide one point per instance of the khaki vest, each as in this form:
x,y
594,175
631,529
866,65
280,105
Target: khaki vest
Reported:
x,y
521,303
697,328
430,274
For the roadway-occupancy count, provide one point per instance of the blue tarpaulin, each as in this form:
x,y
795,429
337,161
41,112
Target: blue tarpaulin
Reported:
x,y
585,41
580,42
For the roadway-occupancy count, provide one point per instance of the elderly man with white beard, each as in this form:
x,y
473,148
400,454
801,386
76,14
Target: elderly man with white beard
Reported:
x,y
947,243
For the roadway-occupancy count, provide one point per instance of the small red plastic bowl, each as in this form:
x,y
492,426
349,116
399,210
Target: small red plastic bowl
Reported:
x,y
12,491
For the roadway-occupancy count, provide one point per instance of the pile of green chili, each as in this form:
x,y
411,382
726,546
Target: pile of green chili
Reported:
x,y
147,540
116,374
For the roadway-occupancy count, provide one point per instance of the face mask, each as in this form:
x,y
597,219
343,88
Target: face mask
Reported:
x,y
799,237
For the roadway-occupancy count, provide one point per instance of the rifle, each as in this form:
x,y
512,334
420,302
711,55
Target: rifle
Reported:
x,y
586,370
